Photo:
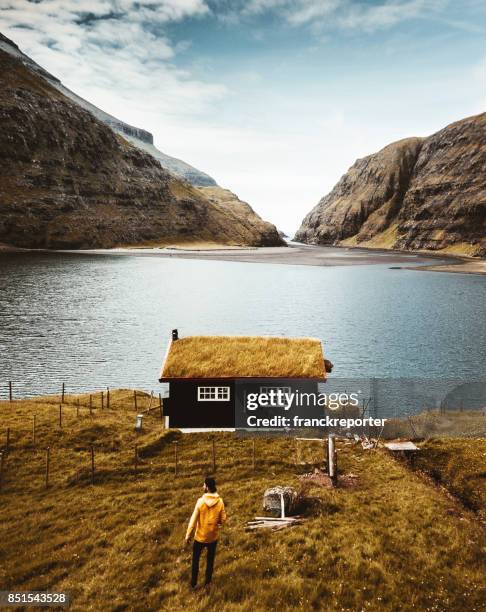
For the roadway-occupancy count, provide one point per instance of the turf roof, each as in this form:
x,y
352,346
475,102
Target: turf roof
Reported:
x,y
244,357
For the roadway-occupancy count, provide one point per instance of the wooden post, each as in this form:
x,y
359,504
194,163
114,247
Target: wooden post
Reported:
x,y
10,391
175,459
214,455
62,393
2,459
414,431
60,416
33,428
107,398
77,408
7,445
135,400
253,454
102,400
92,465
331,459
91,404
48,460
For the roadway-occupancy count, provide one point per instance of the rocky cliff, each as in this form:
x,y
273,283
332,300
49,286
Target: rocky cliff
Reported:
x,y
415,194
137,136
67,180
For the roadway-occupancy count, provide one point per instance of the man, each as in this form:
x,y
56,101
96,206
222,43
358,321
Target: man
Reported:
x,y
208,515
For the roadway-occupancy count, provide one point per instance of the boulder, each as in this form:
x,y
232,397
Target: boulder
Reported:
x,y
272,500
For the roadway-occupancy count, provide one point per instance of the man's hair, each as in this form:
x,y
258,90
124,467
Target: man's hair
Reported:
x,y
211,484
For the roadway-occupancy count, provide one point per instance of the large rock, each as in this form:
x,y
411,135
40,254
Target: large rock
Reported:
x,y
415,194
272,500
67,180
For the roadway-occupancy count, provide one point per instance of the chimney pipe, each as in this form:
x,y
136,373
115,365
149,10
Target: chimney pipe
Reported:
x,y
175,334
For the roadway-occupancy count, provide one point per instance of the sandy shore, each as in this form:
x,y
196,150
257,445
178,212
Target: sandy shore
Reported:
x,y
461,267
299,254
293,254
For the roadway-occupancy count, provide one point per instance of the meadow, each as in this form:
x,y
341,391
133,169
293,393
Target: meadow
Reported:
x,y
394,538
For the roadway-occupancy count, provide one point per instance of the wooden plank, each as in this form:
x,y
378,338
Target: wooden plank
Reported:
x,y
401,446
272,518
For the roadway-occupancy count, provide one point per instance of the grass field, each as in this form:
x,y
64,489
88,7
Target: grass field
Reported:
x,y
394,541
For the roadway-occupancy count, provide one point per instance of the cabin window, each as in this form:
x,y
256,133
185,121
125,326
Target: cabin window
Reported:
x,y
285,391
213,394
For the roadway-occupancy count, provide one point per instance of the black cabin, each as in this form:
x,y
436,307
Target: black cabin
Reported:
x,y
206,374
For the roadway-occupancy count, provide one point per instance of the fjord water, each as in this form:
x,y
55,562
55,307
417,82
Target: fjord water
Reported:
x,y
95,321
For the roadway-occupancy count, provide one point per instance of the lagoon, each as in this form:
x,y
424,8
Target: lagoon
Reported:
x,y
94,321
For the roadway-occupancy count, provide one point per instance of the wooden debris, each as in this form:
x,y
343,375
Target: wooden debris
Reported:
x,y
407,445
274,524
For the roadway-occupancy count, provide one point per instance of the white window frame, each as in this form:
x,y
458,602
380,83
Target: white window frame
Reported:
x,y
213,394
284,389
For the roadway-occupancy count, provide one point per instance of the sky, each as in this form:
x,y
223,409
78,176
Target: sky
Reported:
x,y
275,99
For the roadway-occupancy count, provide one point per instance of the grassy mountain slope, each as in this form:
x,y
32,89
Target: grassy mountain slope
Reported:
x,y
68,181
415,194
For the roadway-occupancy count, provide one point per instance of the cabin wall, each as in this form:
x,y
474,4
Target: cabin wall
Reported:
x,y
185,410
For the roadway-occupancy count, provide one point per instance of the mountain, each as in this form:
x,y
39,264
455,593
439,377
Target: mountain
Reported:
x,y
415,194
71,180
138,137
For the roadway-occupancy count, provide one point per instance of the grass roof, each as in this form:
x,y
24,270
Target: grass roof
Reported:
x,y
244,357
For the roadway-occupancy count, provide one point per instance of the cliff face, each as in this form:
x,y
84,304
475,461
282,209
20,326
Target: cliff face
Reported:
x,y
137,136
68,181
415,194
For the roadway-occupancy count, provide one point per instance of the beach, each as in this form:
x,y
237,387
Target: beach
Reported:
x,y
292,254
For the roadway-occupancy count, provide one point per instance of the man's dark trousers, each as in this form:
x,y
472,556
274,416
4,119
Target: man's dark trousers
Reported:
x,y
197,548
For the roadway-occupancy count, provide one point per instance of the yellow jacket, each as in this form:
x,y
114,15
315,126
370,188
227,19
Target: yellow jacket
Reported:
x,y
208,515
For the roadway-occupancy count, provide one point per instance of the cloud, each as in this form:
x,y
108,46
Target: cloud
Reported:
x,y
102,46
341,14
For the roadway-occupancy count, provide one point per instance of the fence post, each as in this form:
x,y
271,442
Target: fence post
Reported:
x,y
91,405
175,459
135,400
331,459
214,455
102,400
62,393
10,391
48,460
77,408
92,465
107,398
